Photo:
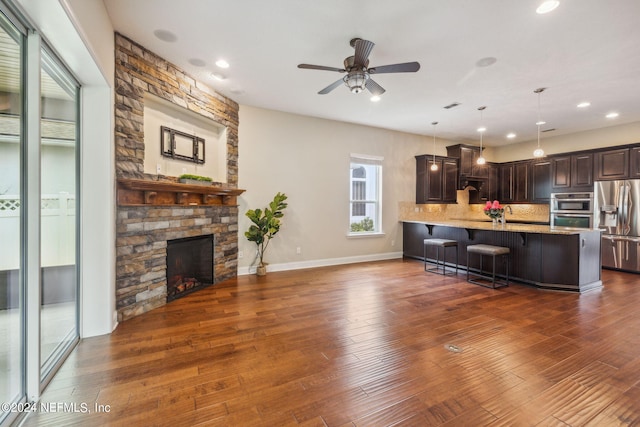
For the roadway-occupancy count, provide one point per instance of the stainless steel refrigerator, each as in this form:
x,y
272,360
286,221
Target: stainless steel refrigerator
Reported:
x,y
617,213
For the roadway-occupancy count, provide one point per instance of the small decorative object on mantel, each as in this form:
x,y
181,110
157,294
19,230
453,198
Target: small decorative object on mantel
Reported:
x,y
181,146
266,225
195,179
494,210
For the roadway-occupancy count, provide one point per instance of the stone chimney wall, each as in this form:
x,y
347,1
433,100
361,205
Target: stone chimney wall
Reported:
x,y
142,231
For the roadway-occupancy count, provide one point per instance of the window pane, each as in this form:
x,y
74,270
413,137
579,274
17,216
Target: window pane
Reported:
x,y
58,213
365,196
11,302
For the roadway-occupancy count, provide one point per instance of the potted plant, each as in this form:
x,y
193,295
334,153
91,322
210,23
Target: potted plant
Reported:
x,y
266,224
187,178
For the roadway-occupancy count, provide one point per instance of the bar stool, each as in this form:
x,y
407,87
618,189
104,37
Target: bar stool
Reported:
x,y
493,252
444,244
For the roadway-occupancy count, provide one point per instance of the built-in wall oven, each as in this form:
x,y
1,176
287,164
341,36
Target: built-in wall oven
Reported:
x,y
571,210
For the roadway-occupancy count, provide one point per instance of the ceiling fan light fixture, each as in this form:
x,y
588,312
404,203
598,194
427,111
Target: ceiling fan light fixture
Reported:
x,y
356,81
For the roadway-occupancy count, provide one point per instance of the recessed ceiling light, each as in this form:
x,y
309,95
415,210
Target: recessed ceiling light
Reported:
x,y
375,98
222,63
612,115
547,6
218,76
540,123
197,62
485,62
511,135
481,129
165,35
583,105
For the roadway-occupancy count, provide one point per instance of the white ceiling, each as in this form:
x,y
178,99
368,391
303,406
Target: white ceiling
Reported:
x,y
585,50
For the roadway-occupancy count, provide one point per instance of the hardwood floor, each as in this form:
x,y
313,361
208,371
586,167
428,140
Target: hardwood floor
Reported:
x,y
373,344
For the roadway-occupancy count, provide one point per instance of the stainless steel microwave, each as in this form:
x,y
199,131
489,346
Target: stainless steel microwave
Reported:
x,y
571,203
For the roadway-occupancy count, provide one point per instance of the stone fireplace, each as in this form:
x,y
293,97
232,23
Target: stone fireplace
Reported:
x,y
154,209
189,265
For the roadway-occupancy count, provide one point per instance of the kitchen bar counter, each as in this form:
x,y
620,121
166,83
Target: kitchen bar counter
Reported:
x,y
514,227
551,258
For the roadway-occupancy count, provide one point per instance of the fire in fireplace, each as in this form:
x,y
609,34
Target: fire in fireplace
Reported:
x,y
189,265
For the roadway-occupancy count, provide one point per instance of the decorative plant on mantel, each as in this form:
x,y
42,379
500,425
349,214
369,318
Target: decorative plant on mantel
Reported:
x,y
266,224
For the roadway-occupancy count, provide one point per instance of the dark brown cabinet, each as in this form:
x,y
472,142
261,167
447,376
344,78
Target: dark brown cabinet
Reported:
x,y
634,166
468,168
489,189
437,186
514,182
572,172
541,181
612,164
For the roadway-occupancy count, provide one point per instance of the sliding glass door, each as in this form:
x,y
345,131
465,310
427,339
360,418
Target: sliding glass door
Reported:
x,y
39,217
11,284
58,219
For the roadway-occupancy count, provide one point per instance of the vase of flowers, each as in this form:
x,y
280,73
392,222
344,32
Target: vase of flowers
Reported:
x,y
494,210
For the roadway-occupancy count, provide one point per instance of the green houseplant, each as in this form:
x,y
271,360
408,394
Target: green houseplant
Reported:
x,y
266,224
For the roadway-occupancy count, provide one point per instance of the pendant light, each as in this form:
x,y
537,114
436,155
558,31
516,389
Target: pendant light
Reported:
x,y
481,160
539,152
434,165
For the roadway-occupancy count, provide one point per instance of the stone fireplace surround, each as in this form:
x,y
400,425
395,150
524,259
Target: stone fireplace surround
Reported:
x,y
142,230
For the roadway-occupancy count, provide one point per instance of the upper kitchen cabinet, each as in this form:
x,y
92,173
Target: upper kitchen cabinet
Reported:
x,y
612,164
634,166
572,172
437,186
541,181
469,169
515,182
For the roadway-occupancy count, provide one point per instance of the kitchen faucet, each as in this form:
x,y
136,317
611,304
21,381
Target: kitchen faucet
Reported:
x,y
503,218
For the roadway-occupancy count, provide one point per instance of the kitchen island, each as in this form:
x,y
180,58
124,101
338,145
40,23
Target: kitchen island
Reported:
x,y
551,258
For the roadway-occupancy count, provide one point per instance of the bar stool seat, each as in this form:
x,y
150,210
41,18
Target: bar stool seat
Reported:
x,y
444,244
493,252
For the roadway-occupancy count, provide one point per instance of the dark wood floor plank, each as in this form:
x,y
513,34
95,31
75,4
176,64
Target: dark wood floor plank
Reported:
x,y
371,344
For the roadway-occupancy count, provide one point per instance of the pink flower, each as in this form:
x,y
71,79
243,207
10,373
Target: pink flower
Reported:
x,y
496,205
487,206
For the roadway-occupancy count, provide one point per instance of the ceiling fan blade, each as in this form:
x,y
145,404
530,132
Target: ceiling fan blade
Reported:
x,y
321,67
363,49
406,67
374,88
331,87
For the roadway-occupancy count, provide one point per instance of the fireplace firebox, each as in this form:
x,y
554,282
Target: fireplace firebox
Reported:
x,y
189,265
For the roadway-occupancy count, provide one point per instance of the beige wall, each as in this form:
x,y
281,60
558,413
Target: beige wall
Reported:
x,y
308,159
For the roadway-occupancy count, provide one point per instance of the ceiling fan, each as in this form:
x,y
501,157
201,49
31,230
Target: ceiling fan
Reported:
x,y
358,75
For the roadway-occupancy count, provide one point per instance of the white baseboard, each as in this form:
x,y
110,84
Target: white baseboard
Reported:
x,y
322,262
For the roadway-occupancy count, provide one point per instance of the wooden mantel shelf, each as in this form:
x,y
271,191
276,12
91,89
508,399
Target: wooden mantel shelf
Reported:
x,y
142,192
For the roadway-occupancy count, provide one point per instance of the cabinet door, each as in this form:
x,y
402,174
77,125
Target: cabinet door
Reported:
x,y
612,164
467,160
434,182
582,170
561,172
506,183
521,182
541,181
634,167
421,179
450,180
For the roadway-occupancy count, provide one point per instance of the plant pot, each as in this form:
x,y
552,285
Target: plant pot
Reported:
x,y
261,270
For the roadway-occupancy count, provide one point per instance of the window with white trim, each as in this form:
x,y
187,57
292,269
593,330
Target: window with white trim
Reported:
x,y
365,193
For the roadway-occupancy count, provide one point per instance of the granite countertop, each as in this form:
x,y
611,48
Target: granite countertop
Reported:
x,y
516,228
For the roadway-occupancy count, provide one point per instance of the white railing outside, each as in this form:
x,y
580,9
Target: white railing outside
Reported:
x,y
57,230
